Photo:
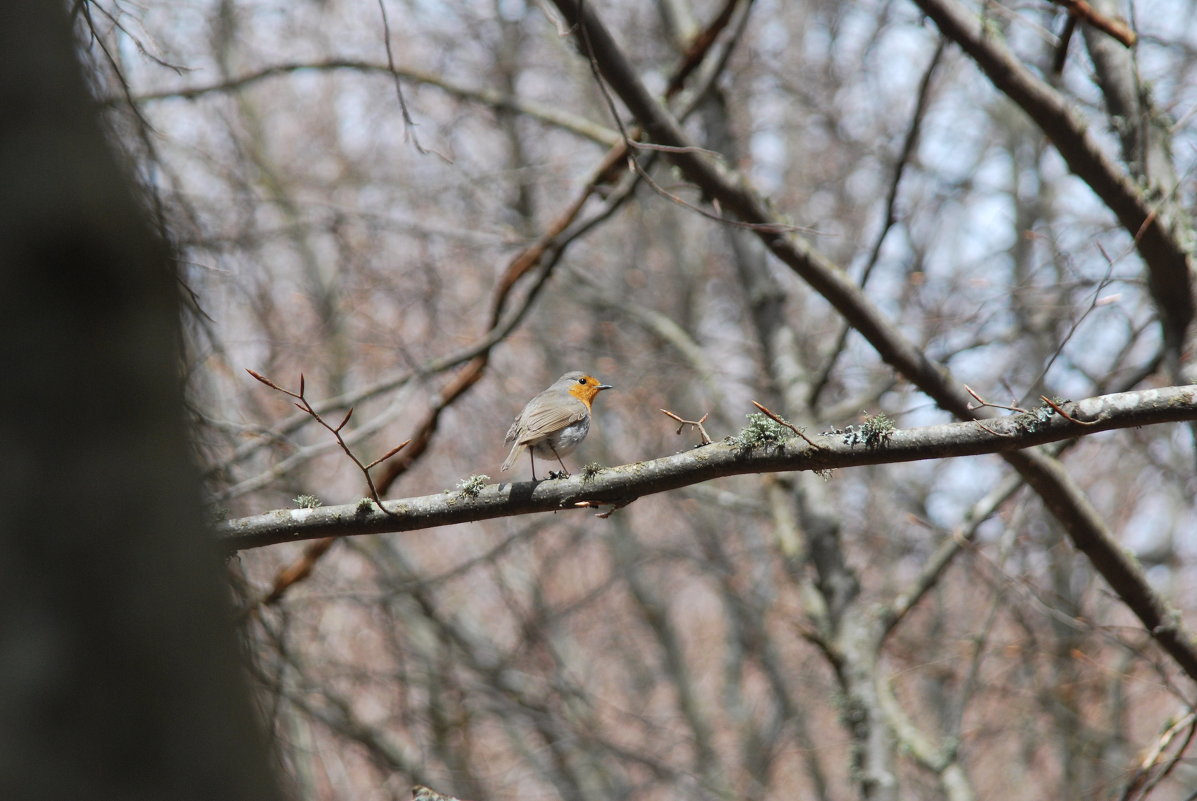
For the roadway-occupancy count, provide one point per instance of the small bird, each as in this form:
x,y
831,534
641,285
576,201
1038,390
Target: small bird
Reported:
x,y
555,421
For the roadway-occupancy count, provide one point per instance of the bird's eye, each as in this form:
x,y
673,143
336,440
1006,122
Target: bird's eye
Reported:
x,y
582,380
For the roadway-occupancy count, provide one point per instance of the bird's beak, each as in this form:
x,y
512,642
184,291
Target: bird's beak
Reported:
x,y
605,386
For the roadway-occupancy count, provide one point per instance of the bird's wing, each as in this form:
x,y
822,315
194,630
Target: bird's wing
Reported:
x,y
514,431
541,419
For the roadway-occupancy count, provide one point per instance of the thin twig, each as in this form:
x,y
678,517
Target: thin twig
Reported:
x,y
1116,28
409,125
1097,301
1065,414
984,403
303,405
774,228
702,432
890,217
782,421
1139,785
670,149
631,142
615,506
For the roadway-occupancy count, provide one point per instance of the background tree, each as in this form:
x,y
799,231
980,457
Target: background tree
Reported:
x,y
118,671
829,208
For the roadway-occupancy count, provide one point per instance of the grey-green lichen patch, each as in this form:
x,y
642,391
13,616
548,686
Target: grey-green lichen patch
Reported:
x,y
1038,417
874,432
470,487
761,430
308,502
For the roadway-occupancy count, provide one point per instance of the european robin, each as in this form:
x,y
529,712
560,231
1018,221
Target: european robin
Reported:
x,y
555,421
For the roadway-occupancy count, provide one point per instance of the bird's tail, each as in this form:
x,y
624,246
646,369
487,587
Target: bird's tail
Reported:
x,y
517,450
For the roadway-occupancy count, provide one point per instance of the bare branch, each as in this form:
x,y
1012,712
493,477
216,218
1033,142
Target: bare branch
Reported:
x,y
702,432
1163,250
1104,413
1167,257
303,405
984,404
1142,782
549,115
1116,28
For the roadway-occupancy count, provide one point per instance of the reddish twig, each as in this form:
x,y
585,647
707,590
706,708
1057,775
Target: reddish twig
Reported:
x,y
1116,28
984,403
616,505
298,570
702,432
303,405
1065,414
784,422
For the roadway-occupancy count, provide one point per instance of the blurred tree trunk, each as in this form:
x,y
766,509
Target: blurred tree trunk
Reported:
x,y
118,674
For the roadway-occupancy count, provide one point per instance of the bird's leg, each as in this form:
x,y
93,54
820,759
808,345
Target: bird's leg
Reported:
x,y
532,459
564,469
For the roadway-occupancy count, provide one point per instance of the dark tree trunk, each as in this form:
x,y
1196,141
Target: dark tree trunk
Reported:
x,y
118,666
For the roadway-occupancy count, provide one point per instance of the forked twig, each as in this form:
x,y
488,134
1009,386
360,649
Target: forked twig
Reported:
x,y
301,402
702,432
984,403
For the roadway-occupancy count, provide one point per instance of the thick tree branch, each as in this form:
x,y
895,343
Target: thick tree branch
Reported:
x,y
734,195
1167,261
1163,251
539,258
621,484
1087,531
540,255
